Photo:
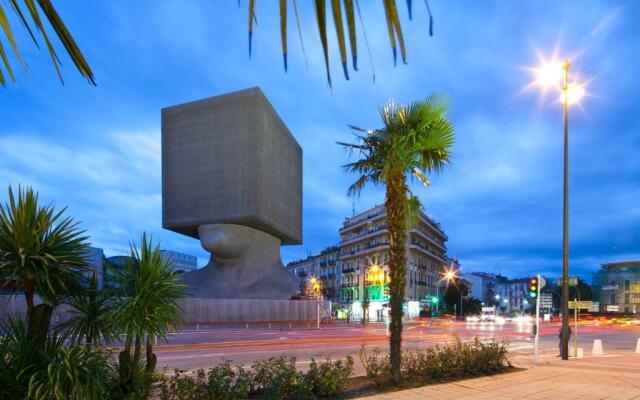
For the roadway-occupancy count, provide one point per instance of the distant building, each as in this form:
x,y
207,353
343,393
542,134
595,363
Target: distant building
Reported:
x,y
180,262
95,261
357,270
113,264
484,286
617,286
509,295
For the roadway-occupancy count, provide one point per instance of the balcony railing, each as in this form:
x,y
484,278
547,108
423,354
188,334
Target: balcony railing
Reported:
x,y
365,233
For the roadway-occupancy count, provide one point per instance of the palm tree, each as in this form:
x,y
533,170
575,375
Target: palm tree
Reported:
x,y
147,306
33,12
91,315
320,8
40,253
415,140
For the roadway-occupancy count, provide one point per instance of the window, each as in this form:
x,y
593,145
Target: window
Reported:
x,y
627,285
613,299
626,298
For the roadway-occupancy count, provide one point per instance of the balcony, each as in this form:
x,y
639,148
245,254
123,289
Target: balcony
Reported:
x,y
349,285
348,270
426,249
323,264
354,222
368,232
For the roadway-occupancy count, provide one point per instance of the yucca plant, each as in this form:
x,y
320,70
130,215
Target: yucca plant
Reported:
x,y
149,292
91,316
415,140
41,252
29,10
343,12
75,373
20,357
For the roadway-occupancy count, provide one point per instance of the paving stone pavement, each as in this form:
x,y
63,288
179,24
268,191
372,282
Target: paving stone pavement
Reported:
x,y
613,377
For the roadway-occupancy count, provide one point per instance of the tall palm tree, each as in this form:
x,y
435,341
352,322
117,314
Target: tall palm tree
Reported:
x,y
147,306
415,140
32,10
91,315
40,253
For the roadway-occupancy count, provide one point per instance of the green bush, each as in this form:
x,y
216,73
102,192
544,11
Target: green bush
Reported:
x,y
327,378
218,383
276,378
452,361
377,365
75,373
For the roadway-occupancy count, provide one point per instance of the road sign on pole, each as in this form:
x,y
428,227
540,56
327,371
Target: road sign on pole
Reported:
x,y
536,338
541,282
573,281
575,304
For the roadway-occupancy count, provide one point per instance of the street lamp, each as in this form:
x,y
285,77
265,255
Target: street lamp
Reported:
x,y
552,75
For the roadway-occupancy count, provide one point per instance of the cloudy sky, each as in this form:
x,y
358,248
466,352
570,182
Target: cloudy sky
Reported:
x,y
97,149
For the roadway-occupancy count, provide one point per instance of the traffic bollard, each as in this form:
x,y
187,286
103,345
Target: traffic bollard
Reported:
x,y
597,350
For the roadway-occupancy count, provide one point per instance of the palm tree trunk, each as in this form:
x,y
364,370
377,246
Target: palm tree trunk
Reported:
x,y
396,205
152,359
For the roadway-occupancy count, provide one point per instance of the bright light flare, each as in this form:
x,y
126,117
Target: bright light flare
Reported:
x,y
573,94
549,75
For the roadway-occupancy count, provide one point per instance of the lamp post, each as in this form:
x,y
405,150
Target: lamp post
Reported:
x,y
549,75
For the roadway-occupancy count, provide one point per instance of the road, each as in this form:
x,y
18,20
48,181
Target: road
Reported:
x,y
191,349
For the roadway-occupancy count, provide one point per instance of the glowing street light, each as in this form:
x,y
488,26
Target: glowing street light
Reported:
x,y
556,75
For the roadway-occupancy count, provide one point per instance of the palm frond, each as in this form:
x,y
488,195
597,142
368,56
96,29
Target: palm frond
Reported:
x,y
283,31
67,40
295,10
390,27
366,41
252,7
351,26
321,17
426,2
337,20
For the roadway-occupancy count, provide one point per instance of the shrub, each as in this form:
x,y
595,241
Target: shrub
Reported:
x,y
456,360
276,378
377,365
75,373
327,378
218,383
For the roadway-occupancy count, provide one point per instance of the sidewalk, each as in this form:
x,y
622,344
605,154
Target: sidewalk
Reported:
x,y
614,377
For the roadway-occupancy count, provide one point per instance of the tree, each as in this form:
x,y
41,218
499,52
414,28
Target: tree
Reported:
x,y
147,306
91,315
415,140
30,9
452,294
40,253
320,9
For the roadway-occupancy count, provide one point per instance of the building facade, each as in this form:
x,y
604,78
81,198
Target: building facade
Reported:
x,y
95,261
617,286
179,261
508,295
356,272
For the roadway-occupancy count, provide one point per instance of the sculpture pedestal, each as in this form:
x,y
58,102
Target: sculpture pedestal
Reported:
x,y
245,263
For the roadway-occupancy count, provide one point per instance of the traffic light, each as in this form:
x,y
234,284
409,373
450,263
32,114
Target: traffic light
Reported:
x,y
434,300
533,287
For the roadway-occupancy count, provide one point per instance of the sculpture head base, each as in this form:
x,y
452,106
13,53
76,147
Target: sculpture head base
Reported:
x,y
244,263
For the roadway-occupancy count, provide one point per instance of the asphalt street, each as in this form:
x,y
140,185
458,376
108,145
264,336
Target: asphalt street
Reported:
x,y
191,349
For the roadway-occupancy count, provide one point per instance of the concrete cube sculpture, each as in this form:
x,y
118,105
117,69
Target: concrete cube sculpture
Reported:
x,y
232,177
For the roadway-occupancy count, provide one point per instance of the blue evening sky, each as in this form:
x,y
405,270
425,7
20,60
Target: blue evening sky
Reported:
x,y
97,149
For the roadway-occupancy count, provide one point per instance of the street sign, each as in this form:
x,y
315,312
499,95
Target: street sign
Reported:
x,y
613,308
546,300
541,282
595,307
573,281
580,304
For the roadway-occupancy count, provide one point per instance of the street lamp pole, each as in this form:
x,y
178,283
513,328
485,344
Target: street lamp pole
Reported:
x,y
564,350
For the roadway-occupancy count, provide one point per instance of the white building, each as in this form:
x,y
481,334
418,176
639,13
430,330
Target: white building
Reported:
x,y
181,262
